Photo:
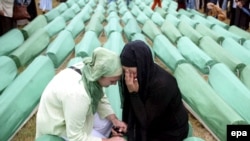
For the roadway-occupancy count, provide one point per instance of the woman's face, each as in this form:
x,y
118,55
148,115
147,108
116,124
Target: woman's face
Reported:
x,y
107,81
131,70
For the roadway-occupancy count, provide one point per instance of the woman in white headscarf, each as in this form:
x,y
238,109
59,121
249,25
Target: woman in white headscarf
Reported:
x,y
69,102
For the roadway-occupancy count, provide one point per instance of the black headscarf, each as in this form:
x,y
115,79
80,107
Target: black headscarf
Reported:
x,y
137,54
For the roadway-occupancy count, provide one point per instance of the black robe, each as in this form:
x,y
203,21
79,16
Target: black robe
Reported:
x,y
156,112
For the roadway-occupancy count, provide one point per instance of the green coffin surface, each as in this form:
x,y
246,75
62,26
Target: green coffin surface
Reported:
x,y
21,98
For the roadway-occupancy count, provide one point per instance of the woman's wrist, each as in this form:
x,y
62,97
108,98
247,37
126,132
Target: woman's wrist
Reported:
x,y
112,118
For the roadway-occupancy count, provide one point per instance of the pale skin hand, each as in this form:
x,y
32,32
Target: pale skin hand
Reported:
x,y
122,127
114,139
131,80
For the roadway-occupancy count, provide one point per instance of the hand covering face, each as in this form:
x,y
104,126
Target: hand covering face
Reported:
x,y
137,54
103,63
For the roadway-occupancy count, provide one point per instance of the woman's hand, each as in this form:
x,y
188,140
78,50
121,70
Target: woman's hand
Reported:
x,y
119,127
131,82
114,139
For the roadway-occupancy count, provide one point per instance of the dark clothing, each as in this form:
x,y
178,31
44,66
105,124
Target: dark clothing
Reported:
x,y
6,24
238,17
32,10
156,112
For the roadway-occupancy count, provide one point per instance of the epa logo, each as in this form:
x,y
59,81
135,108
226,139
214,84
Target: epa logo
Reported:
x,y
238,132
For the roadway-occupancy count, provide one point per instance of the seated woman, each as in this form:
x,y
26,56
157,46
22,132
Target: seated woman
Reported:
x,y
72,98
152,106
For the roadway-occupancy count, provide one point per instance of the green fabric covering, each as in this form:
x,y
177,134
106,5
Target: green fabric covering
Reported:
x,y
22,96
171,32
206,104
131,28
31,47
100,9
142,18
225,33
172,19
111,7
205,31
112,15
148,11
188,20
61,47
166,51
52,14
39,22
139,36
8,71
126,17
232,91
215,51
193,139
172,11
49,138
94,25
98,16
151,30
62,7
70,2
81,3
185,12
92,3
193,11
193,54
75,8
115,42
237,50
157,18
165,4
135,10
6,41
202,20
87,44
89,8
244,76
240,32
84,14
75,26
162,12
142,5
68,14
218,22
173,5
112,26
123,10
113,95
55,26
246,44
189,31
74,60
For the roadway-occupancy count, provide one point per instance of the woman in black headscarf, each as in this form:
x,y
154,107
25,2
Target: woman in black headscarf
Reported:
x,y
152,102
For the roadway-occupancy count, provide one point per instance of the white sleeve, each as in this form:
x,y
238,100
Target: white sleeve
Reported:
x,y
76,108
104,108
